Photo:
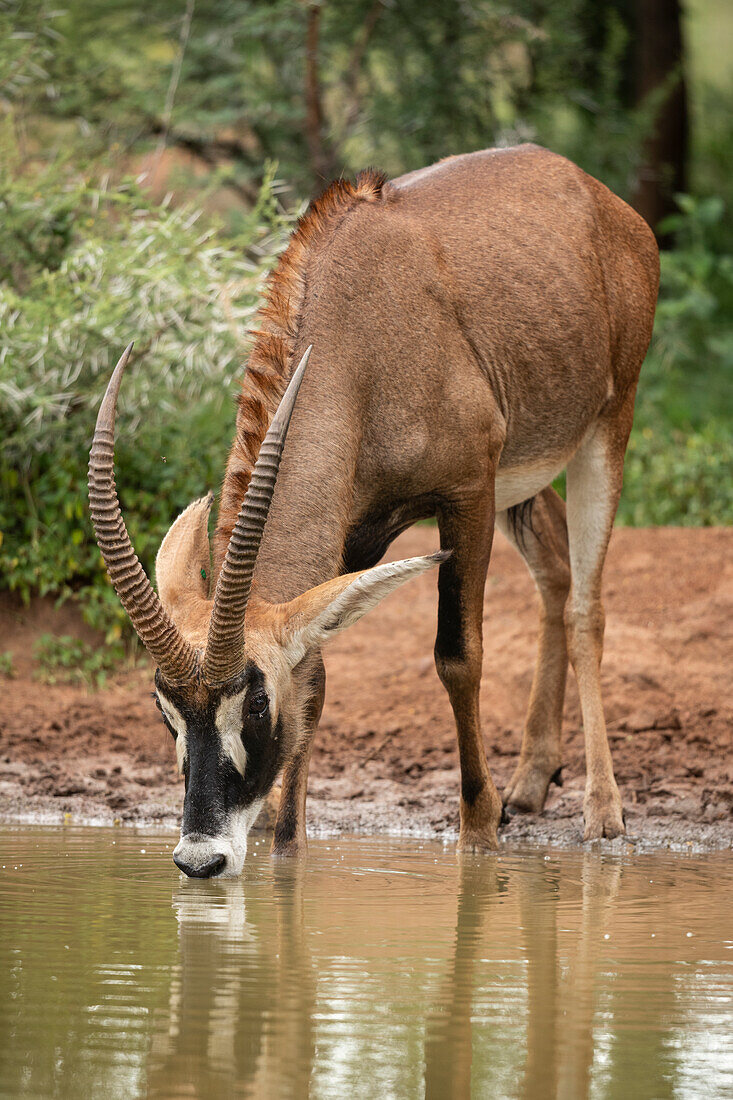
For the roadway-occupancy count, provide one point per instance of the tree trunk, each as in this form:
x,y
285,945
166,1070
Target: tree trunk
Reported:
x,y
322,159
353,73
659,68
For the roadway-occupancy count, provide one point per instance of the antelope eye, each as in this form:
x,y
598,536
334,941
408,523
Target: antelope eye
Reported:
x,y
258,704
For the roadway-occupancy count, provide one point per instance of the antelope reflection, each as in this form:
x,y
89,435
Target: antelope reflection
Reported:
x,y
240,1015
449,1038
515,997
560,999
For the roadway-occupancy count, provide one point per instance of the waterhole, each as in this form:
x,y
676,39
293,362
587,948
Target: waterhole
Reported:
x,y
378,968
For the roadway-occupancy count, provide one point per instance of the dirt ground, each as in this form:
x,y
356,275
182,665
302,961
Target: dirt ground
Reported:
x,y
385,758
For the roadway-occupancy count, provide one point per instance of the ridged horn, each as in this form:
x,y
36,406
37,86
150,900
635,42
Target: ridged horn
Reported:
x,y
224,657
175,658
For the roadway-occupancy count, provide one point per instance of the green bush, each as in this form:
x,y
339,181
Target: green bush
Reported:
x,y
679,465
63,659
678,478
83,269
691,360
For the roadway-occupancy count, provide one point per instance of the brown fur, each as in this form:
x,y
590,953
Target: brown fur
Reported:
x,y
270,362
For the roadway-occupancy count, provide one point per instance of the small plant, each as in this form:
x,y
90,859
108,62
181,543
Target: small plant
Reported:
x,y
63,659
679,478
6,664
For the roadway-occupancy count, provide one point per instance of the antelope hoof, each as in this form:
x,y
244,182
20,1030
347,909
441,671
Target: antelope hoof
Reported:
x,y
603,815
526,792
481,815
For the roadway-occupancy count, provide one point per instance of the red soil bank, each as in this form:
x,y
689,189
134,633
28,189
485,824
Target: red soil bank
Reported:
x,y
385,756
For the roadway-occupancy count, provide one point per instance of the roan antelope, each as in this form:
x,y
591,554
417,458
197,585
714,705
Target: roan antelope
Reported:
x,y
479,326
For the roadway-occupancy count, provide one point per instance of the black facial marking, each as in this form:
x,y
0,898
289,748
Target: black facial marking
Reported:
x,y
214,786
166,723
265,755
262,742
449,643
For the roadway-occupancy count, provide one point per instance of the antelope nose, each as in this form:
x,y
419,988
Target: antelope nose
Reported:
x,y
202,870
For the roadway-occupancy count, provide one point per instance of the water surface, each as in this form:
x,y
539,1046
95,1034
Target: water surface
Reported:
x,y
378,968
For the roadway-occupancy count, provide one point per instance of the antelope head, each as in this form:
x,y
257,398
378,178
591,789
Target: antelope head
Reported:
x,y
233,671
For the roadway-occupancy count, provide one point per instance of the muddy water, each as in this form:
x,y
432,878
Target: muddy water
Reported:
x,y
379,969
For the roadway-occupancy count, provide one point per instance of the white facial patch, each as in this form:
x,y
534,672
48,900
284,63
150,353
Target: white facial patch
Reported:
x,y
231,842
229,725
238,826
175,719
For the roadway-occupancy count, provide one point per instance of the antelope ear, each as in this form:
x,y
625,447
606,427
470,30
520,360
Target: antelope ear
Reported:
x,y
183,568
313,618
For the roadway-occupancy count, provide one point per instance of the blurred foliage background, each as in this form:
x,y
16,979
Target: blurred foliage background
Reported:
x,y
153,157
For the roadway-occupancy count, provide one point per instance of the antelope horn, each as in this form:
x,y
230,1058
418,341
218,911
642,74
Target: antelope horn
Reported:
x,y
164,642
224,657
